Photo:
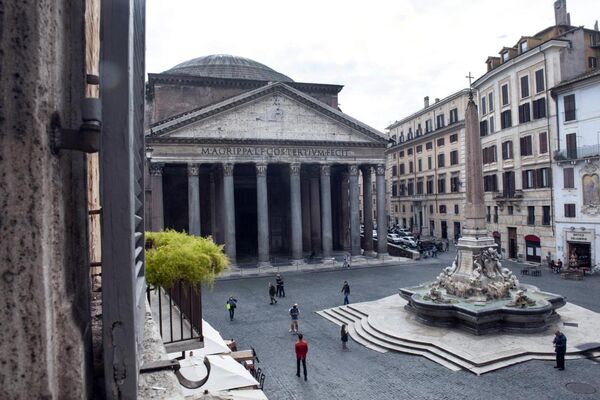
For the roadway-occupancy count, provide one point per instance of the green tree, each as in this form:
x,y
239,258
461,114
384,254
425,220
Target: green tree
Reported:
x,y
172,256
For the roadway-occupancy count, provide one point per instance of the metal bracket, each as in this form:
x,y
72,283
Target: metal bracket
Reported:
x,y
160,365
87,137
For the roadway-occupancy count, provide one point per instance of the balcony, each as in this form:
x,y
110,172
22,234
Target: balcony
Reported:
x,y
509,198
579,153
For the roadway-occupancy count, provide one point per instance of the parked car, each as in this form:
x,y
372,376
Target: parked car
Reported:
x,y
409,241
393,238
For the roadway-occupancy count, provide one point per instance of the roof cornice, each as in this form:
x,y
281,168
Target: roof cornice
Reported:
x,y
267,142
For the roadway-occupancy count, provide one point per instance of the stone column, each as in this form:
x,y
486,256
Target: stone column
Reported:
x,y
213,206
381,216
368,209
326,231
262,214
315,212
306,212
344,232
354,215
194,199
158,220
296,212
229,204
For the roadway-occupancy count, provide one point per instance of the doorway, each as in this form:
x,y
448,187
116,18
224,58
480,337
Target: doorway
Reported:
x,y
583,252
444,230
457,233
512,242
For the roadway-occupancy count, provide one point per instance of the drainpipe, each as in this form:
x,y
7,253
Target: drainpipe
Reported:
x,y
552,213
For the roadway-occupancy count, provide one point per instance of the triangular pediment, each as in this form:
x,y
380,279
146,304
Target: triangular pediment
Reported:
x,y
274,112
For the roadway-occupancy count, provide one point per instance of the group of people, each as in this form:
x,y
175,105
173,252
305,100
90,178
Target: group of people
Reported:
x,y
555,265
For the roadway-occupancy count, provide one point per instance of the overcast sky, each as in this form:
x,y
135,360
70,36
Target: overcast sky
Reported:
x,y
387,54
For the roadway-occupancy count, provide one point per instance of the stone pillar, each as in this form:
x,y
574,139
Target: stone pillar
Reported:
x,y
296,212
381,215
354,215
157,222
229,204
213,206
262,214
367,209
194,199
306,213
326,212
344,233
315,212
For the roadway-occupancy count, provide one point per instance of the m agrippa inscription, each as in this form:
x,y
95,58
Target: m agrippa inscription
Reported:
x,y
272,151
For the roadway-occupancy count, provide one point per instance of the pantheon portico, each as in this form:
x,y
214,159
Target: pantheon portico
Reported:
x,y
267,166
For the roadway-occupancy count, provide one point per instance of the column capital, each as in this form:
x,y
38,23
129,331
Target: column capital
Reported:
x,y
366,169
380,169
353,169
295,169
325,170
156,169
261,169
193,169
228,169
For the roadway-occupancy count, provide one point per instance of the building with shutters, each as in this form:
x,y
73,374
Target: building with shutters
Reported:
x,y
425,168
577,169
519,133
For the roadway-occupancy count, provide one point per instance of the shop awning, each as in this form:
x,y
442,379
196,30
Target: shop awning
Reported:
x,y
532,238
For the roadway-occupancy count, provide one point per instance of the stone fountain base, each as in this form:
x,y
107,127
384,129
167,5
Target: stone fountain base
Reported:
x,y
485,317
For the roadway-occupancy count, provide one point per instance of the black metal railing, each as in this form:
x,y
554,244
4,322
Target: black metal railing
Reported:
x,y
578,153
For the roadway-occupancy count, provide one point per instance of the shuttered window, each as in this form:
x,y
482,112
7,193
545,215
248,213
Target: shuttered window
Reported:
x,y
526,146
570,107
524,86
504,95
539,108
505,119
539,80
571,145
543,138
524,113
570,210
569,178
507,150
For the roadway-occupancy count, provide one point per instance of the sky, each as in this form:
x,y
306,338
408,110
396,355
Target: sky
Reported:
x,y
388,54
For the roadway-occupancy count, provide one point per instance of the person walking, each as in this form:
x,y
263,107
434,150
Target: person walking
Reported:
x,y
346,262
434,251
294,314
272,293
344,336
279,283
560,348
231,305
346,291
301,348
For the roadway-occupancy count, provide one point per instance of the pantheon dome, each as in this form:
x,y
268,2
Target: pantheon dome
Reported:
x,y
228,66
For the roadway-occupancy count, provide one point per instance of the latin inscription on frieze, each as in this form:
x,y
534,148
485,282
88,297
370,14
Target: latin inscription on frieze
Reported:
x,y
242,151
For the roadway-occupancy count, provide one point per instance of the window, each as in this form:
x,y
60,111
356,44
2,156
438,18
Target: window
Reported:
x,y
456,209
440,160
454,184
491,124
428,145
454,138
401,169
544,178
537,178
496,214
419,130
483,109
539,81
411,187
491,101
530,215
454,157
510,210
569,178
505,119
505,99
483,128
526,147
440,121
545,215
508,184
505,56
539,108
524,86
395,208
394,189
394,171
409,152
489,154
569,107
524,47
410,167
430,185
490,183
442,184
454,115
524,113
440,142
401,137
442,209
431,210
419,149
401,154
428,126
507,150
571,145
419,165
402,188
569,210
488,215
543,137
404,210
409,135
420,186
528,179
429,162
592,62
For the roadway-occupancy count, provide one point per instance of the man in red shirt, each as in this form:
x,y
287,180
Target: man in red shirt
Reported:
x,y
301,350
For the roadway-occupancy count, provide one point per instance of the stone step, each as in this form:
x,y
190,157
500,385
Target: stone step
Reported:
x,y
328,317
347,313
356,310
338,317
353,331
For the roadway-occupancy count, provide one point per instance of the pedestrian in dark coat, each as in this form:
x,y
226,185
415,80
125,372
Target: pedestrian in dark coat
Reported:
x,y
272,293
346,291
231,305
301,348
344,336
560,348
280,289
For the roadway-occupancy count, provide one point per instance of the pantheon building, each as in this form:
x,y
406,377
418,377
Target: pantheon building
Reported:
x,y
270,167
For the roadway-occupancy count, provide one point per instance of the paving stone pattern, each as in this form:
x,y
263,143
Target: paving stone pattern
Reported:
x,y
361,373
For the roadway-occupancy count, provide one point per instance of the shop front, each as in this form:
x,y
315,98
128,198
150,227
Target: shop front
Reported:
x,y
579,244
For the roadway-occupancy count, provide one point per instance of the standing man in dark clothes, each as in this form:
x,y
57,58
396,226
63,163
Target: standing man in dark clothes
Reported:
x,y
231,305
280,290
346,291
560,347
272,293
301,351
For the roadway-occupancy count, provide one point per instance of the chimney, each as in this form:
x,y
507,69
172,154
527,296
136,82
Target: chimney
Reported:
x,y
437,100
426,101
561,16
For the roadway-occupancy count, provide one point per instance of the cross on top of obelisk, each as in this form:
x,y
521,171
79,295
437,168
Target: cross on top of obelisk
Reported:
x,y
470,78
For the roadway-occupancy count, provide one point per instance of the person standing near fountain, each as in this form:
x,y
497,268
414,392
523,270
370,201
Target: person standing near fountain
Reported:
x,y
560,347
346,291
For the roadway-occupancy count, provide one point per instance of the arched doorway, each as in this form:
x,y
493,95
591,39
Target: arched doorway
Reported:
x,y
532,248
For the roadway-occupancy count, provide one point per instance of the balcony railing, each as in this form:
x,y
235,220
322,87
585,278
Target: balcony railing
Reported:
x,y
509,195
579,153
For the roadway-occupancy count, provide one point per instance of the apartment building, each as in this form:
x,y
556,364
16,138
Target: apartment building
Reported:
x,y
425,168
518,132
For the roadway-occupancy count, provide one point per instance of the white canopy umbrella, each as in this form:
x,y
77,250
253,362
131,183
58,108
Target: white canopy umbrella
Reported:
x,y
225,373
235,395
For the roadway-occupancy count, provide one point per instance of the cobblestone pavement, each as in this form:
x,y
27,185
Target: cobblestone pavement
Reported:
x,y
365,374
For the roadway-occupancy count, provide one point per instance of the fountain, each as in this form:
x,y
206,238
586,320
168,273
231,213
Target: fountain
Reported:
x,y
476,293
